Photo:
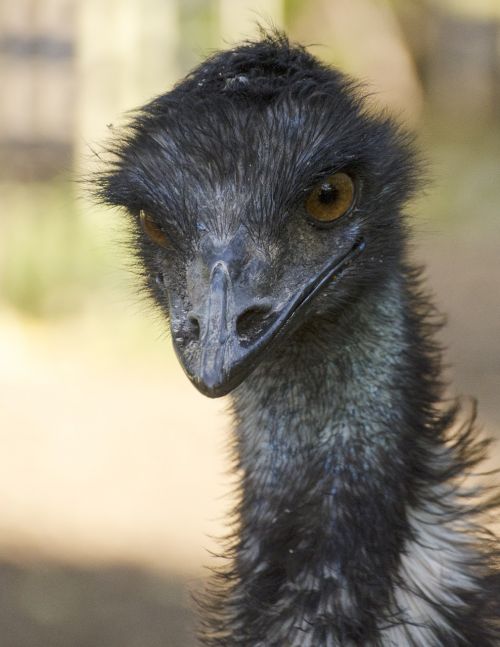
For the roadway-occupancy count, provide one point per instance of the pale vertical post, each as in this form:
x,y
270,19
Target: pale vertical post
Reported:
x,y
126,54
36,88
54,80
17,114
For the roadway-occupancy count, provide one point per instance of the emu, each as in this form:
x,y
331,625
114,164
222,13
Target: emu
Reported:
x,y
267,203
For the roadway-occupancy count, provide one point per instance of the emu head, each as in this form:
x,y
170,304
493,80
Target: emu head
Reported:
x,y
263,196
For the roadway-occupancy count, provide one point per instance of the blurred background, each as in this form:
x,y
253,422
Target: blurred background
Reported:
x,y
113,470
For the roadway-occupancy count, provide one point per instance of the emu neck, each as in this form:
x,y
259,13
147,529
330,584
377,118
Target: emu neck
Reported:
x,y
324,438
333,399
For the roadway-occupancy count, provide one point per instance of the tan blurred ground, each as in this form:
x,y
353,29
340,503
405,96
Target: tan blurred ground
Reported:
x,y
104,456
111,478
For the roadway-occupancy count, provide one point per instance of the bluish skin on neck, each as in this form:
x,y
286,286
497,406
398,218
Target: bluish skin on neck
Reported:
x,y
321,430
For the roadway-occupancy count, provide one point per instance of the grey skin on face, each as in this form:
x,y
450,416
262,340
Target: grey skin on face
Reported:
x,y
232,325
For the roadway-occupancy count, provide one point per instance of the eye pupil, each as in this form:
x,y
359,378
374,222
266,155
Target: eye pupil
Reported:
x,y
328,194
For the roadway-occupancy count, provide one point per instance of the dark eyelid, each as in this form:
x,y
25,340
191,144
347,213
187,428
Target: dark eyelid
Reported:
x,y
173,233
324,174
319,176
160,223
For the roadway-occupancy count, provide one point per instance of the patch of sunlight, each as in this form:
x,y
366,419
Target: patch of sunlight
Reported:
x,y
107,451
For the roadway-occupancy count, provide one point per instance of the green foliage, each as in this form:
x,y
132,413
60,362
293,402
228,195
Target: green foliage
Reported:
x,y
50,258
291,8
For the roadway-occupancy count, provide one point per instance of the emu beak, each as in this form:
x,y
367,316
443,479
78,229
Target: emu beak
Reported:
x,y
224,355
220,350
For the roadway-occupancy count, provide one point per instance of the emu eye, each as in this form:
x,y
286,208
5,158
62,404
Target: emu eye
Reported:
x,y
331,198
152,229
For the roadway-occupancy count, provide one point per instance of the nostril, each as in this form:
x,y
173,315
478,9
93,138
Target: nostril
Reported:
x,y
193,327
252,322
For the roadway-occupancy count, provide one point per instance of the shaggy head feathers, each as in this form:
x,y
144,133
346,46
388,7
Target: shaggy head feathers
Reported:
x,y
245,136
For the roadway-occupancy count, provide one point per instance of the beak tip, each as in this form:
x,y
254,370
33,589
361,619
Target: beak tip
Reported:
x,y
209,381
211,388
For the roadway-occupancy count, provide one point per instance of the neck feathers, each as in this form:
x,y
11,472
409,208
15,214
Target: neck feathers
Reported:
x,y
352,527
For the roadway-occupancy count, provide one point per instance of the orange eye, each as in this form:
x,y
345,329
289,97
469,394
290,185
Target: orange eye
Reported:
x,y
152,229
331,198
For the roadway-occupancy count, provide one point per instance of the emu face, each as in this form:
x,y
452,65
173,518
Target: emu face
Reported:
x,y
262,196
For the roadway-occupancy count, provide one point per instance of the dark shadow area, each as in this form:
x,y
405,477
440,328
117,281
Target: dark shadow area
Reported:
x,y
56,605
